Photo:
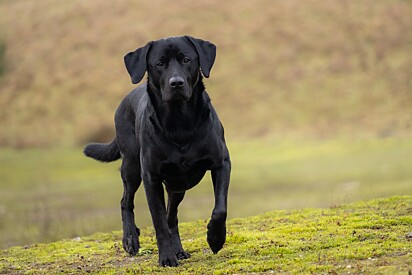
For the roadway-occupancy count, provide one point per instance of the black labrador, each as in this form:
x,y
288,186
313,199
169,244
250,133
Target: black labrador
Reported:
x,y
168,133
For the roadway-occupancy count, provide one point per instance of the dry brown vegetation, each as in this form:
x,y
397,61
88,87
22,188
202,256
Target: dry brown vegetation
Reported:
x,y
284,68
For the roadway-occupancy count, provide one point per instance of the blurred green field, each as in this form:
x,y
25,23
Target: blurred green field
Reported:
x,y
51,194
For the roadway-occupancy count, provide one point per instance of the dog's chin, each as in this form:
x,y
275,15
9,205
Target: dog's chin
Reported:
x,y
179,97
176,97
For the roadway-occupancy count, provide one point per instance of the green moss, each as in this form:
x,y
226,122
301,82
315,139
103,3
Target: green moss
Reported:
x,y
364,237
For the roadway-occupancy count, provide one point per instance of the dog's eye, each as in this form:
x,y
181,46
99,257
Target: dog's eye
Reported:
x,y
186,60
160,63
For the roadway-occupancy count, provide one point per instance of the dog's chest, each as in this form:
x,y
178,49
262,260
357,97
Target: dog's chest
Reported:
x,y
183,166
183,171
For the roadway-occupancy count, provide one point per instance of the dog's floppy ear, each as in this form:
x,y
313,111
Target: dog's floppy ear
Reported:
x,y
206,52
136,63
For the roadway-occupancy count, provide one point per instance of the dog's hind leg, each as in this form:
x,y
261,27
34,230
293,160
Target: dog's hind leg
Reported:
x,y
130,172
174,199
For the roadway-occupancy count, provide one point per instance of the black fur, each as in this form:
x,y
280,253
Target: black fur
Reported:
x,y
169,135
105,152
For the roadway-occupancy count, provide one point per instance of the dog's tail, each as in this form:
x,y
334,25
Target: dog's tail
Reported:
x,y
105,152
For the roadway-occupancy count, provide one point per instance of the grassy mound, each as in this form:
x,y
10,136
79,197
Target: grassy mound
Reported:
x,y
364,237
284,68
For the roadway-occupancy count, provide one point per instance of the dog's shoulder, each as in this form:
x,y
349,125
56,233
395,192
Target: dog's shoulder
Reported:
x,y
134,103
137,94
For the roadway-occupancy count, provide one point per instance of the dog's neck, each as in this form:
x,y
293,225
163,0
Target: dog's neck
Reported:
x,y
178,120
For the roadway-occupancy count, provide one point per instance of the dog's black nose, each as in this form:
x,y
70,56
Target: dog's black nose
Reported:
x,y
176,82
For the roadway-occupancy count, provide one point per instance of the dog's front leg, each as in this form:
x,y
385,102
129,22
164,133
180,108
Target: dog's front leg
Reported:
x,y
174,199
155,199
216,233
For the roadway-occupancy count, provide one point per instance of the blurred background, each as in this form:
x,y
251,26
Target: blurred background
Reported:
x,y
315,97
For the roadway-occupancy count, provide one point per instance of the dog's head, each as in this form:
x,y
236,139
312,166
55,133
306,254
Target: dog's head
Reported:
x,y
173,65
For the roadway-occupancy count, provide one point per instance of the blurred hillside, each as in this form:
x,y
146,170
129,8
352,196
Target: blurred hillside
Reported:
x,y
315,69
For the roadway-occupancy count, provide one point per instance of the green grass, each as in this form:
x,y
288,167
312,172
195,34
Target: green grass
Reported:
x,y
50,194
368,237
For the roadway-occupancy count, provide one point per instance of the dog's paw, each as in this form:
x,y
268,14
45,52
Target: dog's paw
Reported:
x,y
216,236
131,241
170,260
182,255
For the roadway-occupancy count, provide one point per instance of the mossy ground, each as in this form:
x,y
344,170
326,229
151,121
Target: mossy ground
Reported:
x,y
363,237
